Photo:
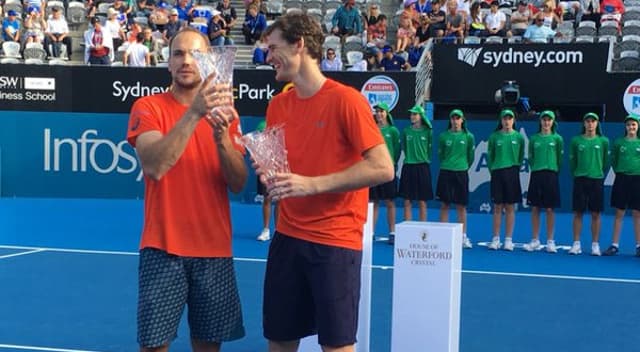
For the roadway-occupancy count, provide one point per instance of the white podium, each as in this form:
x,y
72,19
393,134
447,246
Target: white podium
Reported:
x,y
310,343
426,287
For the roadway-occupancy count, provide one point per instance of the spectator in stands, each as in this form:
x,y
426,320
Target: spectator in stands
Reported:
x,y
57,33
537,33
495,21
346,20
173,26
124,9
370,61
464,8
137,54
377,36
551,18
520,19
260,52
151,43
405,34
11,27
159,16
331,62
34,26
185,10
437,23
145,8
114,27
611,10
254,24
134,29
392,62
455,22
422,32
372,18
40,5
228,14
98,44
217,33
420,7
570,8
476,21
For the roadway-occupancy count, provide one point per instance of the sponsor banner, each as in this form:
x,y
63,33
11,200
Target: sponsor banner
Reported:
x,y
548,74
85,155
114,89
631,98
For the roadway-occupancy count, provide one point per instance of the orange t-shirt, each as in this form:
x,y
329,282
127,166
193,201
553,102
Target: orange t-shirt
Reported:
x,y
324,134
186,212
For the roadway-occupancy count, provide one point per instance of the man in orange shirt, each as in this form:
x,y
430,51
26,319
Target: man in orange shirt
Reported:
x,y
335,152
190,159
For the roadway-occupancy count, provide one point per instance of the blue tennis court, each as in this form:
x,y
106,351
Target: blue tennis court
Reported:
x,y
68,270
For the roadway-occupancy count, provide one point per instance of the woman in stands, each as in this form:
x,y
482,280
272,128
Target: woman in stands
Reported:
x,y
545,157
415,179
505,154
476,21
625,160
405,34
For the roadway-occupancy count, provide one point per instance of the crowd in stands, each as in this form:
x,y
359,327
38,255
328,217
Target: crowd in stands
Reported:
x,y
360,36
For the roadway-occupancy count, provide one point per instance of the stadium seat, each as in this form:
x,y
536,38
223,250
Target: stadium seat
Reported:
x,y
33,61
608,28
629,61
494,39
54,62
586,28
75,14
631,27
34,51
11,49
9,60
353,57
585,39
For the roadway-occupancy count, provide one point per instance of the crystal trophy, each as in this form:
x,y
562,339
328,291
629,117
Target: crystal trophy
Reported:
x,y
268,150
217,60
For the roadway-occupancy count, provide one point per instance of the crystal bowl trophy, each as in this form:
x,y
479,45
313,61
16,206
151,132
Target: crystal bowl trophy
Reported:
x,y
218,60
268,150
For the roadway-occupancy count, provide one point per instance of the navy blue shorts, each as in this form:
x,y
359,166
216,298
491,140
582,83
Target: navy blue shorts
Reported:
x,y
311,288
625,193
505,186
544,189
383,191
415,182
588,194
207,285
453,187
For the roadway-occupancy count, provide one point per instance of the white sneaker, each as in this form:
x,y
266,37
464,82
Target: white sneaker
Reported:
x,y
265,235
551,247
534,245
508,244
466,243
575,248
595,249
495,244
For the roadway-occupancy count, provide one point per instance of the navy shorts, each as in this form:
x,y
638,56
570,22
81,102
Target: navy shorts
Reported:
x,y
383,191
207,285
505,186
544,189
588,194
311,288
625,193
415,182
453,187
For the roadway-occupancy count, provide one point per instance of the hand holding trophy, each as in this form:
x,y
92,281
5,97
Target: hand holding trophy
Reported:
x,y
268,150
218,61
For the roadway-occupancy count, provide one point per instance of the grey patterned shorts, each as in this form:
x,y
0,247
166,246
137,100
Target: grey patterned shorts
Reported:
x,y
206,285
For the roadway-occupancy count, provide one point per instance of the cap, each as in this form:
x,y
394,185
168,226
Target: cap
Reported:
x,y
174,12
12,13
385,107
386,49
548,113
591,115
522,2
507,112
417,109
32,9
111,11
635,118
495,2
456,112
95,20
55,9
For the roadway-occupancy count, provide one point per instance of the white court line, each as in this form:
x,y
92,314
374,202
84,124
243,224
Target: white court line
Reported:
x,y
382,267
37,348
21,253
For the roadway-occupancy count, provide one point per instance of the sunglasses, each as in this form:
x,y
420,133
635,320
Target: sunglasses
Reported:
x,y
331,53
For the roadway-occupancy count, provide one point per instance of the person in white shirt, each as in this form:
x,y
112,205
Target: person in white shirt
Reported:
x,y
114,28
137,54
331,62
57,33
98,44
495,21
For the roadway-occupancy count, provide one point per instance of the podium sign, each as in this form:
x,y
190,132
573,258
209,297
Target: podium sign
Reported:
x,y
426,287
310,343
